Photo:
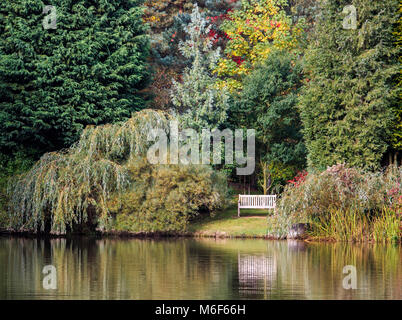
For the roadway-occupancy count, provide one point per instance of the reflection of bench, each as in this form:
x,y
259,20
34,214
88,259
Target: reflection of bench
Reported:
x,y
256,202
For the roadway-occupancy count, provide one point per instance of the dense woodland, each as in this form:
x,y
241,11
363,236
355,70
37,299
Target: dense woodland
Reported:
x,y
74,101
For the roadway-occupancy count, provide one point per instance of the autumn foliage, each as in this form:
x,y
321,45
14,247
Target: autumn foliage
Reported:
x,y
254,30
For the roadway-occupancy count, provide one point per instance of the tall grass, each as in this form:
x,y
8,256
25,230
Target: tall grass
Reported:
x,y
345,204
387,227
352,225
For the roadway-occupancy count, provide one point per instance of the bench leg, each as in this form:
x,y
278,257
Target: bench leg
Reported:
x,y
238,210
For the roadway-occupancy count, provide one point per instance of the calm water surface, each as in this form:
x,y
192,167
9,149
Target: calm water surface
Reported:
x,y
196,269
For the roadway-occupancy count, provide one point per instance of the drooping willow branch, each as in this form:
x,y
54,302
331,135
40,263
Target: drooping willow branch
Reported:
x,y
62,185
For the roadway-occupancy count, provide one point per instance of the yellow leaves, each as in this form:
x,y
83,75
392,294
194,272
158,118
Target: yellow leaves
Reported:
x,y
253,31
230,84
151,19
222,67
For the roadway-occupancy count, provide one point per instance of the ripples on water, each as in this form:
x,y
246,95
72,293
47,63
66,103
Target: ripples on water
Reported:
x,y
196,269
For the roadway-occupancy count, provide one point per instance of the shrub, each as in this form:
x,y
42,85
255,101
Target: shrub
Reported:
x,y
106,172
10,165
342,195
4,219
167,197
3,205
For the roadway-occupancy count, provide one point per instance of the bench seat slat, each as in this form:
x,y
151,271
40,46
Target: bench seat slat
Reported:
x,y
256,202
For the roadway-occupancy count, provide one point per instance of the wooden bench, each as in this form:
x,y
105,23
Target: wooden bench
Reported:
x,y
256,202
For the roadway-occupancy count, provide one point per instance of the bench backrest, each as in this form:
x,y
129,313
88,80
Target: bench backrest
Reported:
x,y
257,201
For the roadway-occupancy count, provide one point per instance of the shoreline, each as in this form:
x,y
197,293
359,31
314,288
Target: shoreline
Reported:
x,y
135,235
124,235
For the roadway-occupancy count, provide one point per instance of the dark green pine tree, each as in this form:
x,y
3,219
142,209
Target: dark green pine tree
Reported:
x,y
348,105
90,69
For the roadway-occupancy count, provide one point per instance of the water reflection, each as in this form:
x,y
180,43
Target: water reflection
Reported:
x,y
196,269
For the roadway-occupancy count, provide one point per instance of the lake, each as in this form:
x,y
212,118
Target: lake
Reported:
x,y
185,268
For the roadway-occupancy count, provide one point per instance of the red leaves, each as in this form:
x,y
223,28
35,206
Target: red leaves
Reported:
x,y
238,60
394,194
275,24
217,18
299,178
226,36
216,36
212,33
394,191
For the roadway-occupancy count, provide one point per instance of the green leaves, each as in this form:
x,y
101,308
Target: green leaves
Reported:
x,y
268,103
346,105
89,70
106,174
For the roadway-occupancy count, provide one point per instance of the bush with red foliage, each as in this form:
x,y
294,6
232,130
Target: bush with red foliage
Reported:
x,y
299,178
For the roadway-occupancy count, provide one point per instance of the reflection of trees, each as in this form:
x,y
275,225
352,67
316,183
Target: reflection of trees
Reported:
x,y
21,262
378,268
303,271
114,269
196,269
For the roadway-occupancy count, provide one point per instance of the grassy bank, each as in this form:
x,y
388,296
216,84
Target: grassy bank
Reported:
x,y
252,223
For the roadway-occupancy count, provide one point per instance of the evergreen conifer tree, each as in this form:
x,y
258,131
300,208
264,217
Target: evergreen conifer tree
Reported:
x,y
87,66
348,107
202,105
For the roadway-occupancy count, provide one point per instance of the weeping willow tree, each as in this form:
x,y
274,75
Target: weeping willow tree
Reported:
x,y
99,176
